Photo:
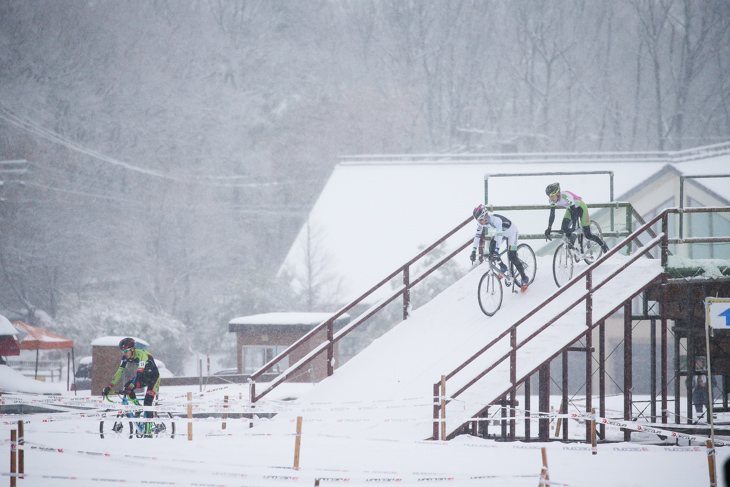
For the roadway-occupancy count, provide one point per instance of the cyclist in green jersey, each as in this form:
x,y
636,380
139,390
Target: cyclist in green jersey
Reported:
x,y
576,212
147,374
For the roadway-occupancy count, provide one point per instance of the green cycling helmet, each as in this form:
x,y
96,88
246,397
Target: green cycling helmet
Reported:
x,y
552,189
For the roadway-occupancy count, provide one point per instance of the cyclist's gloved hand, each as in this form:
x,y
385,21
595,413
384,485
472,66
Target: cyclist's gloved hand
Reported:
x,y
105,392
129,386
494,255
547,233
473,256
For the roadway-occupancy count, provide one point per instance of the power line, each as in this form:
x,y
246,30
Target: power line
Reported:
x,y
34,128
257,210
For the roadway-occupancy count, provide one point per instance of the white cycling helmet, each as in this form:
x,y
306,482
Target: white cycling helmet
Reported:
x,y
480,213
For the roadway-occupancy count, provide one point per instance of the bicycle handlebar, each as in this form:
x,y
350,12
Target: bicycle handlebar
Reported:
x,y
116,393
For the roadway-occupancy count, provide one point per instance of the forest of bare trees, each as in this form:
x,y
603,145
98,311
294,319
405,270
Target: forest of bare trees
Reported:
x,y
174,147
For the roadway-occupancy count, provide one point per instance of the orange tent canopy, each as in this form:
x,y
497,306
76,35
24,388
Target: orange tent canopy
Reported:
x,y
38,339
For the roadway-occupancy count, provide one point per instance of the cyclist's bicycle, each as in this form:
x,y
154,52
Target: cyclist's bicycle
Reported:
x,y
490,290
567,254
122,423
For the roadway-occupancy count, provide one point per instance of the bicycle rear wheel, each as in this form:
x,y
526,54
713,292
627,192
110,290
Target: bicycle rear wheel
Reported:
x,y
490,293
592,250
562,265
116,427
528,260
164,426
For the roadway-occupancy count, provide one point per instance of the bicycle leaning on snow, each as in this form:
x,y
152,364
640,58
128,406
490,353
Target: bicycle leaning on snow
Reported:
x,y
490,290
131,422
569,253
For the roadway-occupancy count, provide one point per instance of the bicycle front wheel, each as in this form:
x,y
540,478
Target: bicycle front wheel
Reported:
x,y
116,427
562,265
593,251
528,260
490,293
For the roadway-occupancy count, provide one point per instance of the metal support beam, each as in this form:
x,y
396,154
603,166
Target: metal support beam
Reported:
x,y
513,381
677,380
527,408
652,372
627,368
565,394
589,381
543,378
664,331
589,351
602,375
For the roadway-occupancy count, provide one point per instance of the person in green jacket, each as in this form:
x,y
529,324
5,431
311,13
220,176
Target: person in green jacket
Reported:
x,y
147,374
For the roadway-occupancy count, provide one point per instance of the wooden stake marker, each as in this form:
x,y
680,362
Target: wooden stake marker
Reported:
x,y
544,473
711,463
190,416
21,449
298,443
594,447
225,415
13,457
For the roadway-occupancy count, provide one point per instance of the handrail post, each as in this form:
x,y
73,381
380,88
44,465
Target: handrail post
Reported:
x,y
681,206
611,198
442,408
629,225
330,347
406,291
436,390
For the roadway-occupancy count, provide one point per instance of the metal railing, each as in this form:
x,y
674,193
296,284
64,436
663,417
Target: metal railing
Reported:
x,y
682,179
327,346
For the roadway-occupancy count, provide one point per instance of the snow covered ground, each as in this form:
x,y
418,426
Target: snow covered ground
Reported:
x,y
66,450
343,436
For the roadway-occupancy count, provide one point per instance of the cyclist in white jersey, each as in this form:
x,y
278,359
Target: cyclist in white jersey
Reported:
x,y
576,212
502,228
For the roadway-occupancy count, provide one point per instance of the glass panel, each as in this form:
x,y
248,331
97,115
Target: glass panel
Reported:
x,y
708,225
255,357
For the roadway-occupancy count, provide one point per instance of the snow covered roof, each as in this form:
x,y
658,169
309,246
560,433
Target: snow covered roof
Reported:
x,y
6,328
293,320
113,341
370,202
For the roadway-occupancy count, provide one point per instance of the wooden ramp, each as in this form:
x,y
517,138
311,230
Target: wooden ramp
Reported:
x,y
386,391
